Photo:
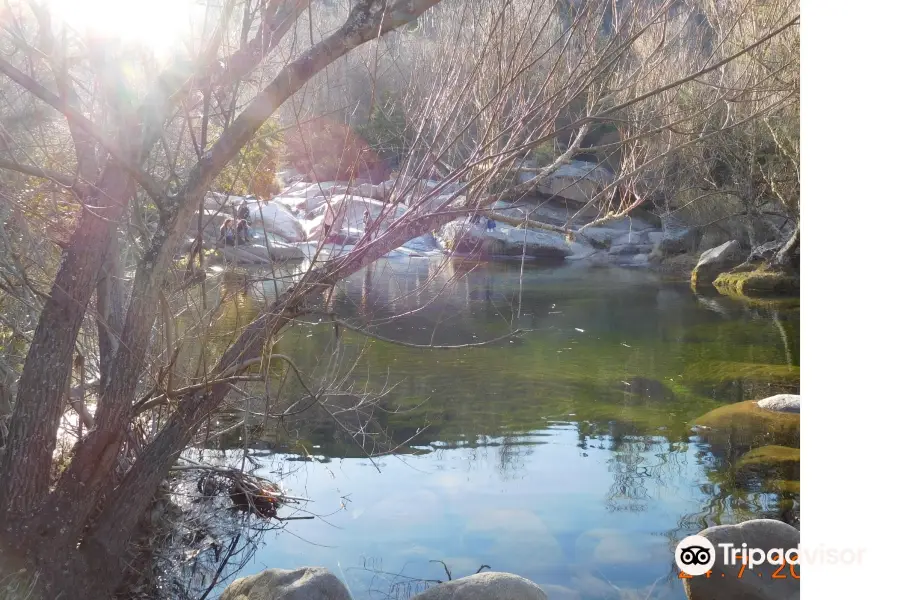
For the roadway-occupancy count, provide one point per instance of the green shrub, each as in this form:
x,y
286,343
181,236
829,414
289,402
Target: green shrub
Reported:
x,y
253,172
386,128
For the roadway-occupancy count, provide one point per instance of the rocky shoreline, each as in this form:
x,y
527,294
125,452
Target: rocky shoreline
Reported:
x,y
293,225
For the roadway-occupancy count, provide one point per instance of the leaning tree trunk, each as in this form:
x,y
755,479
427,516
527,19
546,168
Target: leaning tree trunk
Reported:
x,y
786,258
57,530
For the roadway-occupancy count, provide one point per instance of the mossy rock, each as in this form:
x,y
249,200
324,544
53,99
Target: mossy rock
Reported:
x,y
778,463
724,370
759,282
746,425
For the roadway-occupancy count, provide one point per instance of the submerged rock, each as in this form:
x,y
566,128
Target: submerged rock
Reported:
x,y
788,403
305,583
715,261
778,463
485,586
745,424
765,581
648,388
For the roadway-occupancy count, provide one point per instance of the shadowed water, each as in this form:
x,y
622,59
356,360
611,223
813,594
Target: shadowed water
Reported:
x,y
565,455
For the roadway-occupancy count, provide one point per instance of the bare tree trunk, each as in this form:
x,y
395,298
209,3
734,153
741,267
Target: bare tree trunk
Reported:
x,y
40,401
786,257
110,308
66,512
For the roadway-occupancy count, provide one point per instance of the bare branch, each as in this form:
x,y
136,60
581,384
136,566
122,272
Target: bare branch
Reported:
x,y
79,120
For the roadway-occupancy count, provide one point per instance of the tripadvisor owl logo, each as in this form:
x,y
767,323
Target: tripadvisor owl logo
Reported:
x,y
695,555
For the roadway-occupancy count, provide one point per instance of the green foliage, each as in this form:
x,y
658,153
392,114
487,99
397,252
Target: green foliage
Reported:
x,y
545,153
253,172
385,130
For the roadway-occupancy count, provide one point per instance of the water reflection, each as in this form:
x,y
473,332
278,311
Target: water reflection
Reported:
x,y
566,456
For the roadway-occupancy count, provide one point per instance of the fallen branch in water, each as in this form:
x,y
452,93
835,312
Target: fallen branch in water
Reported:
x,y
359,330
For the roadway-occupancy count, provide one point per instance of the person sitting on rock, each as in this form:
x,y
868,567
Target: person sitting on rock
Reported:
x,y
491,225
226,232
244,211
243,232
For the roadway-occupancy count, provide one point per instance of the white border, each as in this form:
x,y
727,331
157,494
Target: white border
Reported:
x,y
850,112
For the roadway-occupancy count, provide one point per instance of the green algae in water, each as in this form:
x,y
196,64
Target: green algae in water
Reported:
x,y
585,419
720,370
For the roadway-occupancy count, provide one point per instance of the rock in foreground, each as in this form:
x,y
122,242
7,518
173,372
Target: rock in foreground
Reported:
x,y
764,582
716,261
305,583
485,586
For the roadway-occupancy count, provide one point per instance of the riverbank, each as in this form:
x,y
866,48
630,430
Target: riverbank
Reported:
x,y
328,219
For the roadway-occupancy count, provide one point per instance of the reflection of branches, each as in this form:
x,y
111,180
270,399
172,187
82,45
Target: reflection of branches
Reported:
x,y
635,461
734,495
512,453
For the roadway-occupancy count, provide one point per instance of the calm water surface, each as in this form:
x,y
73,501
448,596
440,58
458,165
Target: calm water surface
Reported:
x,y
565,456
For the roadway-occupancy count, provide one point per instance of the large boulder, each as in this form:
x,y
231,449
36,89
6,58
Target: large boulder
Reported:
x,y
765,581
409,190
787,403
303,189
245,255
678,237
484,586
347,214
467,238
579,180
629,249
275,218
715,261
305,583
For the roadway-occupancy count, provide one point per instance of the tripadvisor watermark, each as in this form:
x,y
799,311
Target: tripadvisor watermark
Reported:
x,y
695,555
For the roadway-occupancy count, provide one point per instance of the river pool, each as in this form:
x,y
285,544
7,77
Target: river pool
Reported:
x,y
566,455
